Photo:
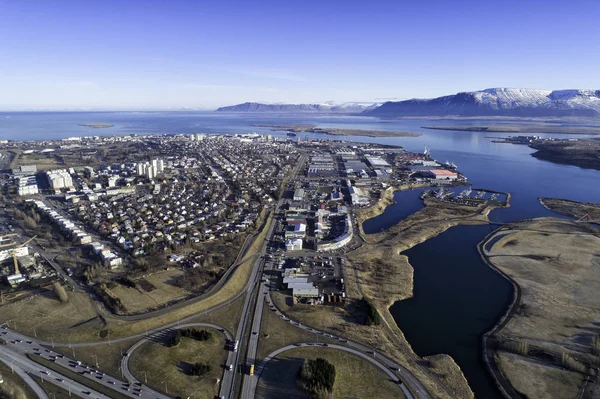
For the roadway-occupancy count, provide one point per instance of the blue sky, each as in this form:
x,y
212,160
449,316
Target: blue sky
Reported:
x,y
85,54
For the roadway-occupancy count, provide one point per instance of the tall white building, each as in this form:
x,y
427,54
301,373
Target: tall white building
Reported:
x,y
150,172
200,137
59,178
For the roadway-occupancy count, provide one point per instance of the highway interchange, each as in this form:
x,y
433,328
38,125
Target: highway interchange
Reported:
x,y
257,294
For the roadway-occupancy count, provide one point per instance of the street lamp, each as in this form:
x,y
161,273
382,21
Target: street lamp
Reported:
x,y
145,377
166,387
96,358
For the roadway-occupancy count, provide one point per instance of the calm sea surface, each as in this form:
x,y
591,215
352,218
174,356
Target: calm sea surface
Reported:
x,y
457,297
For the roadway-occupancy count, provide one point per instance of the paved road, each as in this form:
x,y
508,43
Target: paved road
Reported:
x,y
10,362
19,346
251,289
24,367
227,375
265,363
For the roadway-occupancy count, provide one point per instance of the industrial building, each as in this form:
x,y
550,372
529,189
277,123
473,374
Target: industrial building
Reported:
x,y
294,244
379,163
299,194
358,195
442,174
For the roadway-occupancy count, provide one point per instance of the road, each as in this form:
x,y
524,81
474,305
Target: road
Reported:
x,y
24,367
265,363
34,386
19,346
405,376
251,289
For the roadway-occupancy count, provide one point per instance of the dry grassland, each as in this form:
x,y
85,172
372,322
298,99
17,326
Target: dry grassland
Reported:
x,y
162,363
555,263
354,377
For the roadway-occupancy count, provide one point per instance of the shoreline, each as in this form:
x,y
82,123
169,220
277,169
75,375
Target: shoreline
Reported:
x,y
406,234
333,131
496,334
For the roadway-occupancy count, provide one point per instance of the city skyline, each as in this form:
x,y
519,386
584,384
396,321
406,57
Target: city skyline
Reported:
x,y
113,56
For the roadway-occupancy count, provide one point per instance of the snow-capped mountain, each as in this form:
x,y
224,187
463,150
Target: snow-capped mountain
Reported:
x,y
328,107
498,102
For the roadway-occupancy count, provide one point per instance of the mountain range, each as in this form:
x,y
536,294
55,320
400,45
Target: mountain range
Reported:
x,y
328,107
489,102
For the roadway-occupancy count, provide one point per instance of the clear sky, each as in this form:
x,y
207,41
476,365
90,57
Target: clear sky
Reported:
x,y
128,54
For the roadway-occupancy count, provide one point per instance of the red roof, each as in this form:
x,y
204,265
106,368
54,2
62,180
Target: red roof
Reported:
x,y
442,172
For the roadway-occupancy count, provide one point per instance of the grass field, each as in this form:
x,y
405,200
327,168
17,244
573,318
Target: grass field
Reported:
x,y
13,387
163,364
555,263
534,380
137,300
355,377
48,316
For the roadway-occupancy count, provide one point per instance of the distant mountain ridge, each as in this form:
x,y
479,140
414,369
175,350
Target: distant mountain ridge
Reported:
x,y
498,102
345,108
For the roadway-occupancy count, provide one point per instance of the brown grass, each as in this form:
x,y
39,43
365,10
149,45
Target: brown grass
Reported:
x,y
162,363
555,263
536,380
355,377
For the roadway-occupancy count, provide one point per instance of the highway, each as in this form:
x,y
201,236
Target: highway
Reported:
x,y
251,290
24,367
10,362
19,346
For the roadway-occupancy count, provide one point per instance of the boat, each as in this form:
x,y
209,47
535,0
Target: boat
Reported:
x,y
291,134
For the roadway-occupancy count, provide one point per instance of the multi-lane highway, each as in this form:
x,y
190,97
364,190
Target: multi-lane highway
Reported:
x,y
251,290
21,372
18,347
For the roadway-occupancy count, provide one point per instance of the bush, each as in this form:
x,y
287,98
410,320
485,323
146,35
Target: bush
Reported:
x,y
316,377
199,369
372,317
198,335
174,339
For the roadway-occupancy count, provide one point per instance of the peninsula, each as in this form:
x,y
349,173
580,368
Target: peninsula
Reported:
x,y
520,129
335,131
96,125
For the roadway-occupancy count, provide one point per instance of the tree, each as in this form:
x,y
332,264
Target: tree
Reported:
x,y
60,292
316,377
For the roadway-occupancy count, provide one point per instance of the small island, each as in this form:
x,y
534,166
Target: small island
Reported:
x,y
335,131
96,125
